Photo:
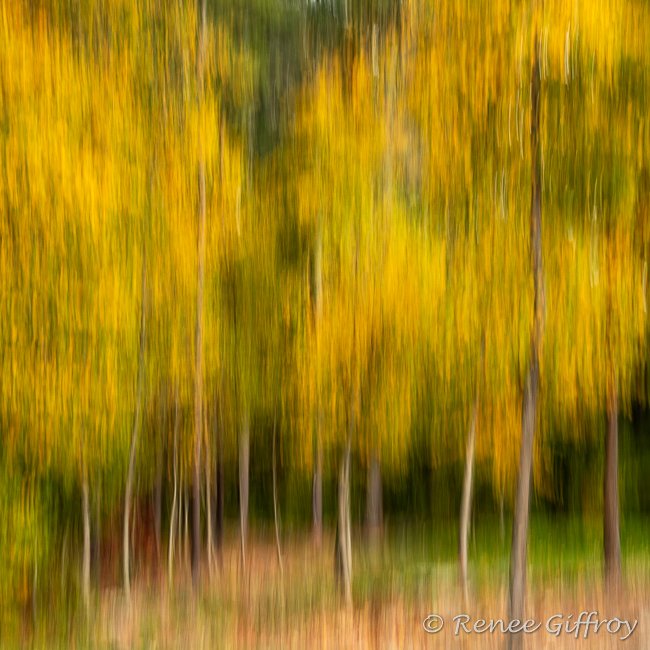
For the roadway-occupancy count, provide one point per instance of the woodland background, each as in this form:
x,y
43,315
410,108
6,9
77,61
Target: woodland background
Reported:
x,y
317,314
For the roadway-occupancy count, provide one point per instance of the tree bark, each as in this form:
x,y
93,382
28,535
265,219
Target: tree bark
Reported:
x,y
195,537
317,308
96,556
343,529
466,501
172,519
85,563
612,541
374,500
317,494
531,387
208,510
128,493
244,457
35,597
198,372
157,504
219,493
185,504
502,522
522,503
275,504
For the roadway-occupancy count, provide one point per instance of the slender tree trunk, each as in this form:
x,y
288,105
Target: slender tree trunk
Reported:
x,y
275,504
182,550
35,597
134,440
244,457
195,537
522,504
343,529
317,493
85,563
198,373
317,308
612,541
180,538
208,510
97,537
374,500
186,528
219,496
531,387
157,505
466,501
502,522
172,519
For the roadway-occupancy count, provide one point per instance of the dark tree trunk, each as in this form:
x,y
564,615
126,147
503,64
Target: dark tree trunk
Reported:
x,y
502,521
275,503
317,495
186,530
219,494
612,542
208,509
96,556
157,502
317,307
531,387
244,456
195,537
85,562
374,500
174,513
157,509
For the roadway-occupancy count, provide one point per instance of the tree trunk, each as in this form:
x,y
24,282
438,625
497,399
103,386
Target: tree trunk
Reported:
x,y
317,308
185,503
343,529
275,505
198,372
85,563
96,556
317,494
522,502
244,456
531,387
219,495
466,501
195,537
35,597
172,519
157,505
612,542
374,500
502,522
208,510
128,493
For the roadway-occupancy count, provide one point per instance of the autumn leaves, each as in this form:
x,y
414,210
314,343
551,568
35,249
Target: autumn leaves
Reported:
x,y
364,289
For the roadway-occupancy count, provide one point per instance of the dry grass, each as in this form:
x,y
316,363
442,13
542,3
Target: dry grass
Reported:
x,y
261,608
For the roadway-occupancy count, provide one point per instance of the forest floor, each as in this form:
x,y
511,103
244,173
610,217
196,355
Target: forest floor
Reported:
x,y
396,586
